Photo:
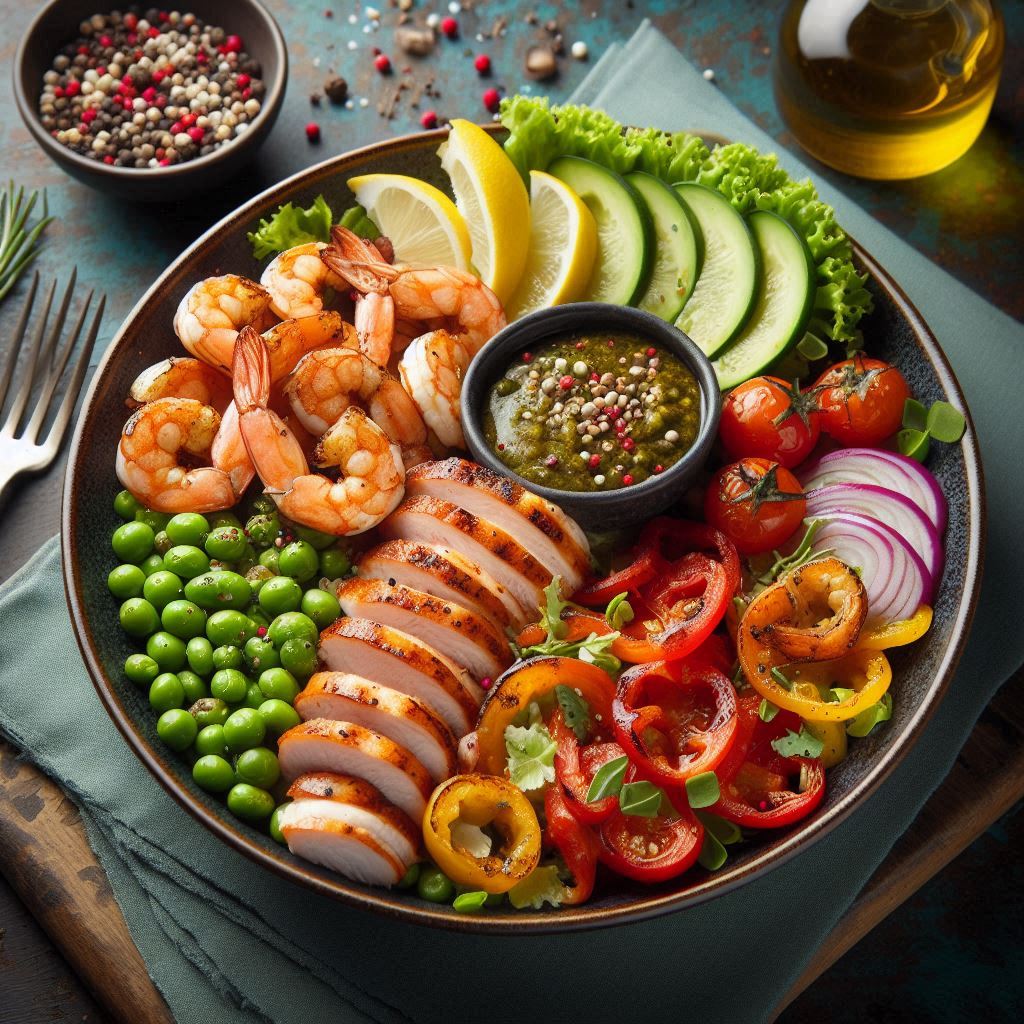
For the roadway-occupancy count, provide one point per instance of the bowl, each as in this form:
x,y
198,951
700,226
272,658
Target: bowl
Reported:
x,y
57,24
623,506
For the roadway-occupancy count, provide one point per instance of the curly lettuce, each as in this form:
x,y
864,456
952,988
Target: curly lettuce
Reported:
x,y
292,226
539,133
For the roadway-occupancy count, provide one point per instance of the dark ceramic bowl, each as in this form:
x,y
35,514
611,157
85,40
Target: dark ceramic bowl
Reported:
x,y
593,510
895,331
58,23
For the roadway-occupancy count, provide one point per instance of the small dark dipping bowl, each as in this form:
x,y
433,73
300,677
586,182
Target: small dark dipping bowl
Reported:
x,y
57,24
622,506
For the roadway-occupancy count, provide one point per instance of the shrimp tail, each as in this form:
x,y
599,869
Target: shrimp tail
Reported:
x,y
358,262
250,372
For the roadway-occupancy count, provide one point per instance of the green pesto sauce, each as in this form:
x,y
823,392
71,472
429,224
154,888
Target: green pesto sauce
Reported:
x,y
593,412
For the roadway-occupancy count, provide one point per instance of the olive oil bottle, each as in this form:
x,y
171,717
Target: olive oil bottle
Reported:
x,y
888,88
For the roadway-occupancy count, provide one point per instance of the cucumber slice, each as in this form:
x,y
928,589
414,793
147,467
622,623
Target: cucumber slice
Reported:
x,y
783,306
625,234
727,286
677,248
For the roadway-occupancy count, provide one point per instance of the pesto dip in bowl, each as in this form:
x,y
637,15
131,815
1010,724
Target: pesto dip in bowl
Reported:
x,y
605,410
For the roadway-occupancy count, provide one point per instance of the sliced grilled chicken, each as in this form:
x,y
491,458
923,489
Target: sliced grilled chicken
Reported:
x,y
460,634
433,571
350,749
542,528
344,697
433,521
405,663
384,821
339,844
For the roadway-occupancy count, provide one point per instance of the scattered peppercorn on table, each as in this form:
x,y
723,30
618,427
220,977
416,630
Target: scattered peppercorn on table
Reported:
x,y
352,83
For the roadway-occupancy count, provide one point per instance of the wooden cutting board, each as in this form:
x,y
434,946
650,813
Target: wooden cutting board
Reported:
x,y
47,860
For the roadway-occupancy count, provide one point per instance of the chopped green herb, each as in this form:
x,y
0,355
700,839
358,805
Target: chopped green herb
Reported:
x,y
292,226
726,832
712,853
702,790
531,755
798,744
766,711
551,612
946,423
781,678
942,421
469,902
803,554
607,780
575,711
18,238
870,717
641,799
619,611
840,693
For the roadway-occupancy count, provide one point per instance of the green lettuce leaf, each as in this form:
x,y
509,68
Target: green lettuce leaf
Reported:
x,y
542,885
531,755
292,226
798,744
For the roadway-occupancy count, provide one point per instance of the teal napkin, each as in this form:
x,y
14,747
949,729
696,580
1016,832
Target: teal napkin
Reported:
x,y
226,941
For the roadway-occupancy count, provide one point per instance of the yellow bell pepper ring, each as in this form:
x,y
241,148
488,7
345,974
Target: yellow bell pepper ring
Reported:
x,y
896,634
482,832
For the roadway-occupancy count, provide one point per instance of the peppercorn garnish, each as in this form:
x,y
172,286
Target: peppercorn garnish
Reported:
x,y
313,132
429,119
492,100
482,64
382,62
450,27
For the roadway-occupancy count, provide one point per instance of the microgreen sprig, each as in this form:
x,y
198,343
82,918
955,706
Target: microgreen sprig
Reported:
x,y
18,237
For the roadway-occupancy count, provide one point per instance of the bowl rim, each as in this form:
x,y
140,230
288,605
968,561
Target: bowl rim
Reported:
x,y
535,922
273,98
535,329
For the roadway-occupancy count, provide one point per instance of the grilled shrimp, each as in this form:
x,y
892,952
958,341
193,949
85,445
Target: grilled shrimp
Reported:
x,y
373,477
148,457
288,341
181,377
214,310
297,280
432,368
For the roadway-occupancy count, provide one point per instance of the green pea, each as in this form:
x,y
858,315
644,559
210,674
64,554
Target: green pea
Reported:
x,y
210,740
280,594
278,716
270,559
199,652
226,543
152,565
229,685
184,619
187,561
141,669
280,684
264,505
299,560
162,588
253,697
275,825
250,803
313,537
248,558
322,607
162,542
188,528
259,619
263,529
257,576
209,711
126,505
156,521
229,627
194,685
292,626
258,766
132,542
166,692
126,581
219,519
213,773
219,588
410,878
167,650
434,885
177,728
260,654
334,563
244,729
299,658
138,617
227,656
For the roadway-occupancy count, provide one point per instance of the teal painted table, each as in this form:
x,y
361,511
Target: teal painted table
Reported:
x,y
968,218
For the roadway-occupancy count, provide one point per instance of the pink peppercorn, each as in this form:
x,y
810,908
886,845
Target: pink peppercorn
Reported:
x,y
201,57
243,80
594,461
566,382
627,479
651,353
131,21
106,41
482,64
486,683
429,119
450,27
527,357
152,32
73,88
149,94
108,159
628,444
233,44
196,134
89,115
313,132
659,468
492,100
261,630
382,62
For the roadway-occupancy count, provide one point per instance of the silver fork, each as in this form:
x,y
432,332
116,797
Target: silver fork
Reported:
x,y
23,451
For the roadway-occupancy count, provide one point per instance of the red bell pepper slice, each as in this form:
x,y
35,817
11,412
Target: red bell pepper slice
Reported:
x,y
575,768
576,843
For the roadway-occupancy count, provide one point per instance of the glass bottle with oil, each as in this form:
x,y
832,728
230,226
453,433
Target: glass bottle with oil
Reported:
x,y
888,88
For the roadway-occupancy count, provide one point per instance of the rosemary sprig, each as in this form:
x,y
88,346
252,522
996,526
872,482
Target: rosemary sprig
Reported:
x,y
18,237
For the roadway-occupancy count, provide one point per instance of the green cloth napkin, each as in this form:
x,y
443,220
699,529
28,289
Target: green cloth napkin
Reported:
x,y
226,941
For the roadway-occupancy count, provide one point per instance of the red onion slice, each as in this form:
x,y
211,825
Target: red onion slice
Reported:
x,y
882,469
889,507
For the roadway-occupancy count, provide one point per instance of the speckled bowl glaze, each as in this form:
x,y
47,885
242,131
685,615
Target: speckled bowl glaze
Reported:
x,y
895,331
623,506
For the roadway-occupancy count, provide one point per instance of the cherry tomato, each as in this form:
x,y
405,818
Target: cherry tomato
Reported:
x,y
861,400
756,503
770,419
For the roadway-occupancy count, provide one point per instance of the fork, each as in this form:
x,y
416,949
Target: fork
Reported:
x,y
44,367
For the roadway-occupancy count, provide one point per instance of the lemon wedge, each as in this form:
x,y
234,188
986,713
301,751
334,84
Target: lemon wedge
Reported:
x,y
563,247
493,202
422,222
